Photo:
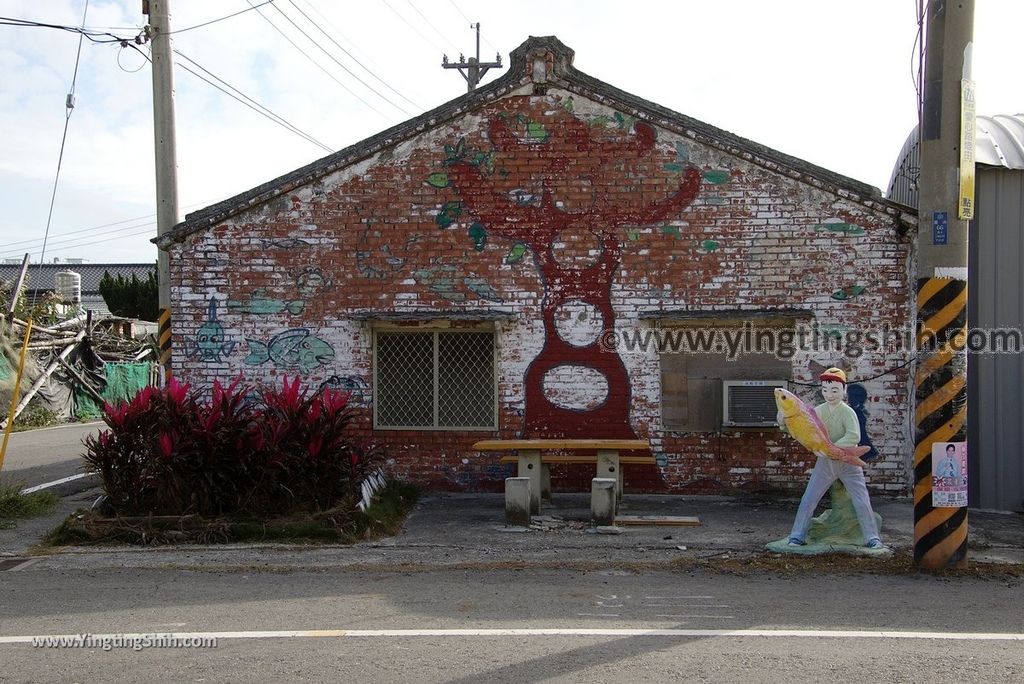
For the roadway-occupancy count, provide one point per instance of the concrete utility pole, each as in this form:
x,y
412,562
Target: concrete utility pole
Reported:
x,y
945,205
475,70
158,31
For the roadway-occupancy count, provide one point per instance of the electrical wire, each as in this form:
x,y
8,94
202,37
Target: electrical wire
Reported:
x,y
430,24
70,107
244,99
470,22
317,64
415,30
350,55
203,203
89,34
214,21
88,240
347,70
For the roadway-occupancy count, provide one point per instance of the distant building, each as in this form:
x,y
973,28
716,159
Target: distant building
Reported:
x,y
42,278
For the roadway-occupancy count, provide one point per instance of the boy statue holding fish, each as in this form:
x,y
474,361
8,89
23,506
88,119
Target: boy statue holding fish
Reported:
x,y
831,431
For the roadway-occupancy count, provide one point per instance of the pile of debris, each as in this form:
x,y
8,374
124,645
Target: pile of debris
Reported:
x,y
68,356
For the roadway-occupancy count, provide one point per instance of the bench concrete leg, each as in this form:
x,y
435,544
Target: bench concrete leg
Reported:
x,y
602,501
545,482
529,466
517,502
608,466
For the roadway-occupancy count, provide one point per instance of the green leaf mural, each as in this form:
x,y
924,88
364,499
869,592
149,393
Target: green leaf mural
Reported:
x,y
478,234
848,292
516,254
438,180
536,131
716,176
449,214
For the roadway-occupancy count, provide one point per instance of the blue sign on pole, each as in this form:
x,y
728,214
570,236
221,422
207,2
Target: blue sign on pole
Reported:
x,y
940,227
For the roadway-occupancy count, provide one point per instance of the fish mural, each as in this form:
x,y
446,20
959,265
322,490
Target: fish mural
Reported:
x,y
804,425
210,343
262,305
296,348
284,243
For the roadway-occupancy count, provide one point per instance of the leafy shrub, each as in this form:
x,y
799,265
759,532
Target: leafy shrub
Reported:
x,y
131,297
168,452
14,504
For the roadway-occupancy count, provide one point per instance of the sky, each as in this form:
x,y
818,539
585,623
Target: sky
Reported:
x,y
827,81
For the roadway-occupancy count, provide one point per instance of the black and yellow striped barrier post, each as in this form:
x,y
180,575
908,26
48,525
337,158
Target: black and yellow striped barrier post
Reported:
x,y
940,534
164,340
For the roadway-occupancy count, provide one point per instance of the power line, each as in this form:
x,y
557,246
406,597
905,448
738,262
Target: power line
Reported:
x,y
428,22
353,57
214,21
204,203
69,104
76,246
347,70
80,30
255,106
82,240
471,22
415,30
316,63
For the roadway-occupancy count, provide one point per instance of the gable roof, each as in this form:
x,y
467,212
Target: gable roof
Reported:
x,y
41,276
545,62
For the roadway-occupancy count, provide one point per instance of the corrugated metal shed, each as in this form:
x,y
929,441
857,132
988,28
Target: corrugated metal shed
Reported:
x,y
999,142
995,291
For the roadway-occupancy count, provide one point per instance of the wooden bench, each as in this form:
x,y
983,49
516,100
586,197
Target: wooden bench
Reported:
x,y
535,464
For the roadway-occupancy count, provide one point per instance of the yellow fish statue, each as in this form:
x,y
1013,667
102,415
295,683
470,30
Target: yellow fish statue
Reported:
x,y
803,424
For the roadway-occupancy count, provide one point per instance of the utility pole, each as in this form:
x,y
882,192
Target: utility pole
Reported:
x,y
159,33
474,69
946,198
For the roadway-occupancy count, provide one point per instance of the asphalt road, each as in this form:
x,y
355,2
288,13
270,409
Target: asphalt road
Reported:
x,y
750,628
35,457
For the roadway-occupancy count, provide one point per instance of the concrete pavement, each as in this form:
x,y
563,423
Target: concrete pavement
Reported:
x,y
453,530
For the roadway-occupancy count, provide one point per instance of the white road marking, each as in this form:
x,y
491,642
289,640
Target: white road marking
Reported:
x,y
550,631
47,485
22,566
683,605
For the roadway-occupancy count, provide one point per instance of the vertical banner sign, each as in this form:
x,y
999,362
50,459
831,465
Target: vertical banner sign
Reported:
x,y
967,140
940,227
949,474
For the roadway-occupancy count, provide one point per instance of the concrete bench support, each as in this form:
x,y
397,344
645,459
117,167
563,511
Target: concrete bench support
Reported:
x,y
529,467
602,500
517,502
608,466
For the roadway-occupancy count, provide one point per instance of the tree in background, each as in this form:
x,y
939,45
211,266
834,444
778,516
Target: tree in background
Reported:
x,y
131,298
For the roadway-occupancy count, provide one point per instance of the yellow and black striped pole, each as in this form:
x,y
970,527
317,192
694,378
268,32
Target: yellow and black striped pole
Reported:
x,y
945,206
940,534
164,339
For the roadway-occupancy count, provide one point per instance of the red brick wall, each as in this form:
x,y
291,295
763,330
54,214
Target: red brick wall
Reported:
x,y
666,223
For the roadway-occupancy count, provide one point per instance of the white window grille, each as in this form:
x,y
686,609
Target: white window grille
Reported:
x,y
443,380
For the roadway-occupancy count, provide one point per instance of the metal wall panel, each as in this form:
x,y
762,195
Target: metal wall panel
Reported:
x,y
995,381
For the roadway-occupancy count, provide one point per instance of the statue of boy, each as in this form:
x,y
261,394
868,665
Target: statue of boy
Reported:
x,y
844,430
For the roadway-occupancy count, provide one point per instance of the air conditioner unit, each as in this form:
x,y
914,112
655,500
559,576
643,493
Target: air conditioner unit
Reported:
x,y
749,403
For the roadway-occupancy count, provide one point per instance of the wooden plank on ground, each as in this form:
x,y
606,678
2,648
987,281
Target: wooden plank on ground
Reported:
x,y
677,520
513,444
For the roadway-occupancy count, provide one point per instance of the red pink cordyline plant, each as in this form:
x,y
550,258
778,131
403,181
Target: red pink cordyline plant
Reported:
x,y
170,452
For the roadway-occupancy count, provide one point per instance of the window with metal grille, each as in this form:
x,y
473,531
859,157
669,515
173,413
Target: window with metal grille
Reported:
x,y
440,380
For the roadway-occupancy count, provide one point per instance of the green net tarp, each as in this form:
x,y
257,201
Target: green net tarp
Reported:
x,y
5,368
124,380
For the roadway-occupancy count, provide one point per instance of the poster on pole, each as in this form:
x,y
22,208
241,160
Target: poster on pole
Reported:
x,y
967,142
949,474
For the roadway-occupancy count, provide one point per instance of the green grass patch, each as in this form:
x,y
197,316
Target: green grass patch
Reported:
x,y
341,525
15,505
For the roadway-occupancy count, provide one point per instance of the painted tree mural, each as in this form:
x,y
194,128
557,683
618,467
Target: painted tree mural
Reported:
x,y
549,184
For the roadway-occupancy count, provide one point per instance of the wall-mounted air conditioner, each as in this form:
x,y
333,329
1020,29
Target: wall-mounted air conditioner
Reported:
x,y
749,403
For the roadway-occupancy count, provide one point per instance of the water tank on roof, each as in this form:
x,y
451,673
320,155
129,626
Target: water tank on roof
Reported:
x,y
69,286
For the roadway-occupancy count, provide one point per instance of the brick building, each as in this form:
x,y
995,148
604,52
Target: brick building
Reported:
x,y
491,268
